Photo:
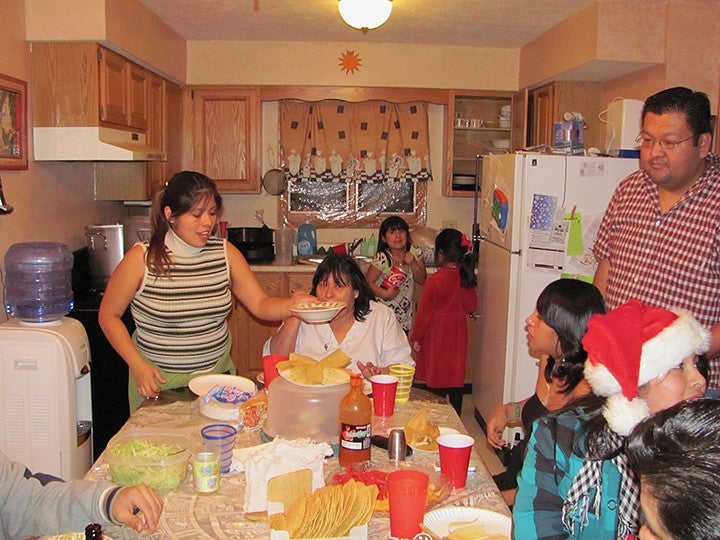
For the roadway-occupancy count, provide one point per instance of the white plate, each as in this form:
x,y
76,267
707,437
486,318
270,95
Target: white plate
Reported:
x,y
443,431
317,313
439,520
202,384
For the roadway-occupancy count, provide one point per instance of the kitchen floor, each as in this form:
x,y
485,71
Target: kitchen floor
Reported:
x,y
484,449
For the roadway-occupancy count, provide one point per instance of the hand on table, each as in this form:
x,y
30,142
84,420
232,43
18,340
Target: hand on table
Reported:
x,y
138,507
496,426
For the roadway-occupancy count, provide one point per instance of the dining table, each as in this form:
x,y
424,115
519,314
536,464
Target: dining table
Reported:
x,y
188,515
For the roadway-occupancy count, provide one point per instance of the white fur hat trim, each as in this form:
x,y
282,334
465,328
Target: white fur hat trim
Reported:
x,y
623,415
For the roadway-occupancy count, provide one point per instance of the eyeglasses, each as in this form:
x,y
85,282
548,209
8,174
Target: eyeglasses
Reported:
x,y
646,142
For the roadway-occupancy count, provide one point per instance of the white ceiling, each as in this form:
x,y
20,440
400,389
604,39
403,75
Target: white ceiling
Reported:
x,y
482,23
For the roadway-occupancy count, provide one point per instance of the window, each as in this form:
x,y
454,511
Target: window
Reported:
x,y
352,163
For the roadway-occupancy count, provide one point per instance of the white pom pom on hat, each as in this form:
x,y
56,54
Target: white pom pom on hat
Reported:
x,y
632,345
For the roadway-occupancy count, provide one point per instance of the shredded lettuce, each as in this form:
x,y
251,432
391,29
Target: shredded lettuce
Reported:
x,y
127,466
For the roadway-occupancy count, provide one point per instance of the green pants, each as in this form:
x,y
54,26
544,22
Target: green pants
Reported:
x,y
178,380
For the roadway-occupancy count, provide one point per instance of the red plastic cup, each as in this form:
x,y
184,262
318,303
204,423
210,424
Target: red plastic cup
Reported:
x,y
394,278
407,490
269,365
455,449
383,394
340,249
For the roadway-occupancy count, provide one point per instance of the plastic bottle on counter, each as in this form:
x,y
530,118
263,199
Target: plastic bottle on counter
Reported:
x,y
355,424
284,240
371,246
307,239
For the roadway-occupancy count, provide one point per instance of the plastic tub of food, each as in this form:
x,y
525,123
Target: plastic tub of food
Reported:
x,y
156,457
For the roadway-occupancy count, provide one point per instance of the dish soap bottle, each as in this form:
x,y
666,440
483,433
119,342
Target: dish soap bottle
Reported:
x,y
355,424
307,239
371,247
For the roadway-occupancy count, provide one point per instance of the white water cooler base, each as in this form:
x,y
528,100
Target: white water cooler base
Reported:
x,y
46,412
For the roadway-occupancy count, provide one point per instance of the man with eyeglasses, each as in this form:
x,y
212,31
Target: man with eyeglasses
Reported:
x,y
659,240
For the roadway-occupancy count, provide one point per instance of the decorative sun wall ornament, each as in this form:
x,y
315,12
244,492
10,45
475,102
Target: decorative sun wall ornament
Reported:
x,y
350,62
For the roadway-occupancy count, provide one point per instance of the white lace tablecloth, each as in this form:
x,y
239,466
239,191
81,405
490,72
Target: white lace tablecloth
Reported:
x,y
220,516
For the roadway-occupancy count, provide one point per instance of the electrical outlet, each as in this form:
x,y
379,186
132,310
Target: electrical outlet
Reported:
x,y
447,224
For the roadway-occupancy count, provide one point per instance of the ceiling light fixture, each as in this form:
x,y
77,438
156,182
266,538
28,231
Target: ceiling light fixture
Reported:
x,y
365,14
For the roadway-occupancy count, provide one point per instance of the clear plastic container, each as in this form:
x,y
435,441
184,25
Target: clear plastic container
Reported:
x,y
297,412
38,281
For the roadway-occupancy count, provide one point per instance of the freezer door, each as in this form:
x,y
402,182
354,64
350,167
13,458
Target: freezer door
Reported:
x,y
496,212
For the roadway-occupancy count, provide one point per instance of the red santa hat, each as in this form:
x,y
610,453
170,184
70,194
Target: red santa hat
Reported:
x,y
632,345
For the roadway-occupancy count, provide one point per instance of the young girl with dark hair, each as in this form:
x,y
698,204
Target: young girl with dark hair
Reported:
x,y
575,480
554,333
395,248
439,333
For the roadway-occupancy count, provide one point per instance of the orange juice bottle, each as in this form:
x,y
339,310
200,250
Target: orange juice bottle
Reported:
x,y
355,424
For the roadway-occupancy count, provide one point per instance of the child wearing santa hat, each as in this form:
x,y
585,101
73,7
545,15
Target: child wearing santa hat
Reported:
x,y
575,482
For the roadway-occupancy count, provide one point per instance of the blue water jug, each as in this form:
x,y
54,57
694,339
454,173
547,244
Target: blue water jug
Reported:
x,y
307,239
38,281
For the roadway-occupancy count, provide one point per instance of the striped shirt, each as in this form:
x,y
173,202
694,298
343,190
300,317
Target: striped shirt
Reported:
x,y
668,260
181,317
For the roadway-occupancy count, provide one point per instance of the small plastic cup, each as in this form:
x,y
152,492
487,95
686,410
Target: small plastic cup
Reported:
x,y
455,449
223,437
383,394
407,491
405,374
269,365
206,470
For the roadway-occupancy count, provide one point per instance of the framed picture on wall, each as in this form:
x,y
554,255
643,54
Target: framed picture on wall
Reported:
x,y
13,123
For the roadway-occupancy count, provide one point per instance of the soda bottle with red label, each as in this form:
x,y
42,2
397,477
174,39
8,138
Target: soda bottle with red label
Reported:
x,y
355,424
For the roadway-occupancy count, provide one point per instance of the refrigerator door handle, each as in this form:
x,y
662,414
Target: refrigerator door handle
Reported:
x,y
510,251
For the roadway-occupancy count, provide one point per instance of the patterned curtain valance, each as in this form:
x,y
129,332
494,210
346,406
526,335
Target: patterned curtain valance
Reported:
x,y
371,141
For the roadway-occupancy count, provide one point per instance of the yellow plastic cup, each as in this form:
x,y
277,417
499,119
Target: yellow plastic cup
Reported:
x,y
405,375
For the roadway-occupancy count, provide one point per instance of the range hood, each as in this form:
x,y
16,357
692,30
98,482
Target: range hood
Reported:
x,y
92,144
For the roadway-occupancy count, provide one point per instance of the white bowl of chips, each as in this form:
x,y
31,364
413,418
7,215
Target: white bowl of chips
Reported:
x,y
321,312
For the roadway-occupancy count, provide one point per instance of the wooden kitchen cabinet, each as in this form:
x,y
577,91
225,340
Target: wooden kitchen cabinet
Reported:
x,y
124,91
86,84
467,138
547,103
165,120
226,135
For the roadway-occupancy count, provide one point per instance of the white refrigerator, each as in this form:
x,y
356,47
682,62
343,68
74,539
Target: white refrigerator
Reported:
x,y
538,217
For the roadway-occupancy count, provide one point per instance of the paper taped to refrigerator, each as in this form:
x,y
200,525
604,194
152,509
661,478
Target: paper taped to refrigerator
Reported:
x,y
547,240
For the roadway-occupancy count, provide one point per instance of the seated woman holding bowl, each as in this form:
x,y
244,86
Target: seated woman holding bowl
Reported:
x,y
364,329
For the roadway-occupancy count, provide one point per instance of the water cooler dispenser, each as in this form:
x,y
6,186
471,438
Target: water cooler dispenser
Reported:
x,y
46,411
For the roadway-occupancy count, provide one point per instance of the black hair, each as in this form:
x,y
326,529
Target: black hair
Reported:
x,y
449,248
694,105
566,305
181,194
390,224
676,452
345,271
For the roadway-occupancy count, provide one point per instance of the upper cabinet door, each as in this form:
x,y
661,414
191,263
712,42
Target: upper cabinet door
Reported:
x,y
138,95
226,137
114,77
518,134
